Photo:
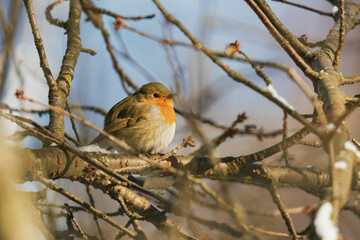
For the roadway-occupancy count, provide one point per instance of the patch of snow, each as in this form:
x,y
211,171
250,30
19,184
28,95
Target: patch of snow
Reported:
x,y
270,88
335,9
92,148
340,164
330,126
324,226
350,146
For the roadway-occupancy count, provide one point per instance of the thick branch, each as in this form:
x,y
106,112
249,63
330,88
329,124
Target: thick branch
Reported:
x,y
56,163
334,107
58,97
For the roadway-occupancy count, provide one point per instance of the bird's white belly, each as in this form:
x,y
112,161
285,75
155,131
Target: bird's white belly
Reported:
x,y
152,135
161,138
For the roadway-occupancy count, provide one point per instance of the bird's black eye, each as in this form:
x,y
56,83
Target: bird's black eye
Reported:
x,y
156,95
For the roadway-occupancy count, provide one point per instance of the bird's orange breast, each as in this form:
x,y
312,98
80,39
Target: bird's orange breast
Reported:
x,y
166,107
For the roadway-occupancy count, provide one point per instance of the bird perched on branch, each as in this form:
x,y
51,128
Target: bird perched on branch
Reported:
x,y
145,120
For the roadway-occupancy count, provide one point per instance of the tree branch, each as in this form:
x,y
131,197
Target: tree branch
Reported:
x,y
57,97
39,46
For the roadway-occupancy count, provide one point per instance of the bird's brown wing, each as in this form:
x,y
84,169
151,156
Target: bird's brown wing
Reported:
x,y
122,117
122,109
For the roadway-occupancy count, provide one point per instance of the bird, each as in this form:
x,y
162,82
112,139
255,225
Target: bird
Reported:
x,y
145,120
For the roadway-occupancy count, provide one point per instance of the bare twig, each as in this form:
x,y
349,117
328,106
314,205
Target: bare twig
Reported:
x,y
40,112
285,215
138,66
276,213
284,135
71,139
189,141
350,80
305,7
70,214
277,234
89,51
92,202
98,23
85,205
341,35
54,21
228,132
357,143
311,144
257,68
39,45
73,124
115,15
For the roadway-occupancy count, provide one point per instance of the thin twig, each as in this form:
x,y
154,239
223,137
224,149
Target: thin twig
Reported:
x,y
341,118
305,7
54,21
311,144
218,199
92,202
311,96
70,214
230,131
189,141
138,66
40,112
257,69
115,15
222,227
350,80
277,234
71,139
341,35
38,130
98,23
89,51
39,45
138,230
200,118
276,212
73,125
284,136
129,213
280,205
357,143
85,205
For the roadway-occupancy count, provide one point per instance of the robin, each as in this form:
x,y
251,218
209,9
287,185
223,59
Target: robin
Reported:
x,y
145,120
